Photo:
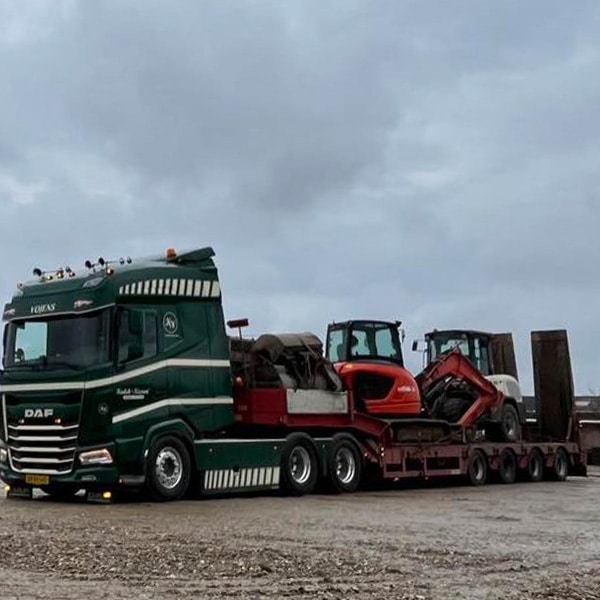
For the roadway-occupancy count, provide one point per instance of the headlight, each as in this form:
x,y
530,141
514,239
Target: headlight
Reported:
x,y
3,454
96,457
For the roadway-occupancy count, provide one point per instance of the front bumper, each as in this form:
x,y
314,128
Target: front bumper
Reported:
x,y
89,477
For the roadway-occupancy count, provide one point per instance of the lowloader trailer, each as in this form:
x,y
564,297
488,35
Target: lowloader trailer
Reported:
x,y
123,377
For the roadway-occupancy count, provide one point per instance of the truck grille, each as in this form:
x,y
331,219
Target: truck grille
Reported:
x,y
42,444
42,448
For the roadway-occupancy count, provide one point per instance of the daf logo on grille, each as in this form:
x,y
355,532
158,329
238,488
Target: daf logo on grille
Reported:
x,y
38,413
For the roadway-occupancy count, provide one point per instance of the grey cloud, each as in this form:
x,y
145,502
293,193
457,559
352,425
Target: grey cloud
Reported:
x,y
432,162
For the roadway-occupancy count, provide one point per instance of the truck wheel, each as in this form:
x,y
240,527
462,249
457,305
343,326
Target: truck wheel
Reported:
x,y
560,467
168,469
507,466
344,465
477,468
535,465
299,465
509,425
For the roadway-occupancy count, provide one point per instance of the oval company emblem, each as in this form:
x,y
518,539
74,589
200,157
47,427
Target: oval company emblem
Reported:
x,y
170,324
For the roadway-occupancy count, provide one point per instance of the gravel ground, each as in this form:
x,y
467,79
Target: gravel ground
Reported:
x,y
530,541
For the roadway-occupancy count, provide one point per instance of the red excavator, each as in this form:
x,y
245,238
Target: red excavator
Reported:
x,y
368,357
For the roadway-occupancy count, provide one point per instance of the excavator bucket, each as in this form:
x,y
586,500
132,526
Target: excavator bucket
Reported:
x,y
503,354
553,382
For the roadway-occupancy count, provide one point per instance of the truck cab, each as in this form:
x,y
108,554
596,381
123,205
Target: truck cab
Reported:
x,y
99,364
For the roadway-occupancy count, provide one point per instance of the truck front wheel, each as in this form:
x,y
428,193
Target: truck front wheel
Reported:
x,y
299,465
168,469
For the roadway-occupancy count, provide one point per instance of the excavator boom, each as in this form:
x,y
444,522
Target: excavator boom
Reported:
x,y
454,370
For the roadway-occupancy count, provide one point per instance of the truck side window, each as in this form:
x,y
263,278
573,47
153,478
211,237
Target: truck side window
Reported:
x,y
137,335
150,335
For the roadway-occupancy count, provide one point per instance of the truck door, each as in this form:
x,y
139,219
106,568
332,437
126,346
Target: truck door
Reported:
x,y
141,378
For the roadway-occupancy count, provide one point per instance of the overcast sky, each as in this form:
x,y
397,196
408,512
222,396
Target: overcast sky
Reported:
x,y
434,162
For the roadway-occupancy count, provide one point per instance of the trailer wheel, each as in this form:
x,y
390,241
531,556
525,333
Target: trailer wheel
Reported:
x,y
169,469
507,466
344,465
477,468
299,465
535,465
560,467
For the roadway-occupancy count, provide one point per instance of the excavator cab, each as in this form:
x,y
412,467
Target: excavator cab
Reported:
x,y
368,357
364,340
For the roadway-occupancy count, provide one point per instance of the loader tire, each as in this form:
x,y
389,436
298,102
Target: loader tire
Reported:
x,y
453,408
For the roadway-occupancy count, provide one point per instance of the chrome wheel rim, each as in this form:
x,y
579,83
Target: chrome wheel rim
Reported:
x,y
345,465
169,468
561,465
477,468
299,465
536,466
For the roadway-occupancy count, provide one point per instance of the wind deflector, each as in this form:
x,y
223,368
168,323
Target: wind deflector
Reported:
x,y
194,256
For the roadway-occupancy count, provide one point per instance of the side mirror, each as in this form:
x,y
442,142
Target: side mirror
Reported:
x,y
415,346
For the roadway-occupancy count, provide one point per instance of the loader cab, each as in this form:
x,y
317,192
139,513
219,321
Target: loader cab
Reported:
x,y
352,341
475,345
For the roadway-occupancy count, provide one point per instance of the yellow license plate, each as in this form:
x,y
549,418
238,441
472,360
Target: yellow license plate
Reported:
x,y
37,479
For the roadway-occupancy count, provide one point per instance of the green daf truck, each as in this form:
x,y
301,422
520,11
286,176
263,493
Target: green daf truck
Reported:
x,y
115,376
124,376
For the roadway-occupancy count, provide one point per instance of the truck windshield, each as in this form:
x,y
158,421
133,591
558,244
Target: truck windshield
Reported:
x,y
75,342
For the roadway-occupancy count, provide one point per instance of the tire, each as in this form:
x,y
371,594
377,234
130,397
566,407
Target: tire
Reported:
x,y
507,466
535,466
560,466
508,428
453,408
477,468
299,465
59,492
344,465
169,469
